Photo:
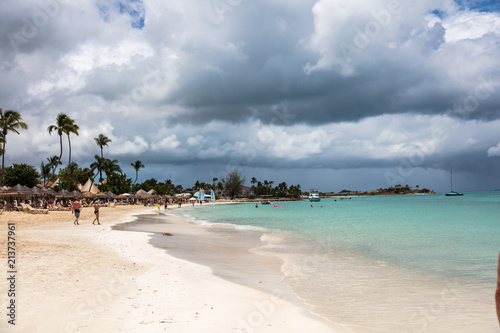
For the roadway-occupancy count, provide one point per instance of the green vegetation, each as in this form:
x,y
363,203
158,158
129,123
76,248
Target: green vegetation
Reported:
x,y
23,174
233,184
10,121
281,191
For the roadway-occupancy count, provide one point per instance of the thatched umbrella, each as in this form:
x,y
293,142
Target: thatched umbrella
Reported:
x,y
110,195
122,196
76,194
49,191
18,191
89,195
37,191
63,194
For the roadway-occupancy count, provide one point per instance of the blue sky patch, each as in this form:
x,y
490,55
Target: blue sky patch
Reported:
x,y
134,8
480,5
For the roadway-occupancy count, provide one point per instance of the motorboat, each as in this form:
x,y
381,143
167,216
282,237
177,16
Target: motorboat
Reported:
x,y
314,195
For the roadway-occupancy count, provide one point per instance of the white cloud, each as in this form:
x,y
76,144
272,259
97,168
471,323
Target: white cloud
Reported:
x,y
471,25
168,143
494,151
136,146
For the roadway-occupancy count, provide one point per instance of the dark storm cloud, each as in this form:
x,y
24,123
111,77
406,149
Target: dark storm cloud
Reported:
x,y
270,85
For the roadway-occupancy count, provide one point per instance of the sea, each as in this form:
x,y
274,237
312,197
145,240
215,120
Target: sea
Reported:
x,y
409,263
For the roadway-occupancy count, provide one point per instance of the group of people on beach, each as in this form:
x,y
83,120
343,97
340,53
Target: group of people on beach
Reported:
x,y
76,207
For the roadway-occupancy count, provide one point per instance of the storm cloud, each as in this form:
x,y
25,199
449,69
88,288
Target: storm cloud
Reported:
x,y
394,89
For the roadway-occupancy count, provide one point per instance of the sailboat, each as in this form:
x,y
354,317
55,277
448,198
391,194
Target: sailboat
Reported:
x,y
452,193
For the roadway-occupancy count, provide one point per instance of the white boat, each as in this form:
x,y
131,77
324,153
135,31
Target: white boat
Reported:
x,y
452,193
314,195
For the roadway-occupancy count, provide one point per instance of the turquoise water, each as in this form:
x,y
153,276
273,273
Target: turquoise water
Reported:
x,y
421,243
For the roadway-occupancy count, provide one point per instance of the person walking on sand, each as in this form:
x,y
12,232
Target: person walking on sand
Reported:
x,y
75,208
96,212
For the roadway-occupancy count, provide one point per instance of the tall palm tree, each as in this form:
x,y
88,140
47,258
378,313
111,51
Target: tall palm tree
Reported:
x,y
63,125
1,143
137,165
10,121
214,180
71,129
102,141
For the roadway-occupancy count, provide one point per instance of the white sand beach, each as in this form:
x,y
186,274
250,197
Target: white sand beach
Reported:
x,y
91,278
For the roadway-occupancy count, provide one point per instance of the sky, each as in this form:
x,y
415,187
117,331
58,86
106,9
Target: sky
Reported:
x,y
328,94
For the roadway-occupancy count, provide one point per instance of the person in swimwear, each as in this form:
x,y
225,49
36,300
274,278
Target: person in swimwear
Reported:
x,y
75,208
96,212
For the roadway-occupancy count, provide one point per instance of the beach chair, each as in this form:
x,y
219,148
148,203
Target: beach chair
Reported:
x,y
28,209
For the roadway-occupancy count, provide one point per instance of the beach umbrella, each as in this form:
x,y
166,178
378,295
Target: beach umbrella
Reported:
x,y
37,191
122,196
89,194
63,194
48,190
76,194
110,195
19,190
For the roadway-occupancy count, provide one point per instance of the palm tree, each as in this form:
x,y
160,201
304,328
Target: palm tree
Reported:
x,y
97,165
137,165
64,124
110,167
254,181
45,172
71,129
10,121
1,143
214,180
102,141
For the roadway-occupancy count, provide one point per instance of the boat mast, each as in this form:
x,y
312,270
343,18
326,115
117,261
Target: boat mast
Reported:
x,y
451,180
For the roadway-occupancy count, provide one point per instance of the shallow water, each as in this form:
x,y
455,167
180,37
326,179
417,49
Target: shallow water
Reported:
x,y
384,263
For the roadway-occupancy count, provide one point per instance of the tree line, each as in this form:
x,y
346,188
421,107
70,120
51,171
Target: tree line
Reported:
x,y
115,180
72,174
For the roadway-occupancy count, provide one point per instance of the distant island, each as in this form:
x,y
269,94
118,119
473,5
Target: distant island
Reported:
x,y
393,190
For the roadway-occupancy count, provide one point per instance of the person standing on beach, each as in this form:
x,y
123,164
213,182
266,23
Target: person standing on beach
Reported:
x,y
75,208
96,212
497,293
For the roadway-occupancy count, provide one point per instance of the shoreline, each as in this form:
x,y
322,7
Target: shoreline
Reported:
x,y
367,294
90,278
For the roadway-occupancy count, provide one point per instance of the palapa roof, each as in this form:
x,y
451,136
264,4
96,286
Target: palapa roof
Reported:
x,y
110,195
19,190
64,194
76,194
